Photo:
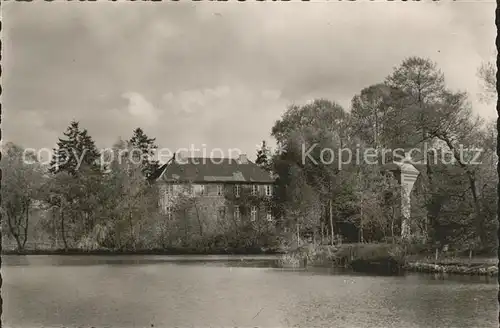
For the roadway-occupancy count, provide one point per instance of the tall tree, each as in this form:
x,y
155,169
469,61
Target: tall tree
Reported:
x,y
76,185
421,85
133,201
22,178
461,131
76,150
263,157
143,149
422,90
313,136
369,111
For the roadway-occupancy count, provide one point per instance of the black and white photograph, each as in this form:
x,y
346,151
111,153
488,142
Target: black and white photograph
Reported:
x,y
249,164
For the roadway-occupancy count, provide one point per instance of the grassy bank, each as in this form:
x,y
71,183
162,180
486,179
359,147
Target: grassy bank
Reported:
x,y
309,256
462,266
385,259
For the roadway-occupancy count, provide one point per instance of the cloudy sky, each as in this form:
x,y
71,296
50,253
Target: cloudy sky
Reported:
x,y
217,74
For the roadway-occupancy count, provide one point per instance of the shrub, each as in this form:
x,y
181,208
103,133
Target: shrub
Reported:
x,y
290,260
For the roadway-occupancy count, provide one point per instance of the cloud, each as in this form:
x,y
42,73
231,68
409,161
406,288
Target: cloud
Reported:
x,y
141,110
194,100
186,74
220,117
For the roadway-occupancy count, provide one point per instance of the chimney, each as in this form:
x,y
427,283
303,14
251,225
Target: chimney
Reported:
x,y
243,159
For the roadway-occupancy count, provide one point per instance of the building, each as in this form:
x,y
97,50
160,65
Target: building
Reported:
x,y
215,192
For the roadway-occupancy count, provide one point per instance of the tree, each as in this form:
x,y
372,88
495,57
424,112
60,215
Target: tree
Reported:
x,y
421,86
77,150
132,200
487,77
460,129
76,183
370,112
263,157
22,178
313,135
298,202
58,193
424,101
143,149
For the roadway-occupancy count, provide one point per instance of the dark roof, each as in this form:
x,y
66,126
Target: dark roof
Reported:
x,y
200,169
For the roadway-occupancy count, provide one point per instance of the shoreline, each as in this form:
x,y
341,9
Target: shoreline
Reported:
x,y
170,252
477,269
455,266
388,259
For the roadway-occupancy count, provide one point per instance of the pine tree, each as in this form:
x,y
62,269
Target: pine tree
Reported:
x,y
74,152
263,157
143,148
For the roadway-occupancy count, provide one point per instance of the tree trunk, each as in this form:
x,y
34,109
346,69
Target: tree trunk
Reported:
x,y
131,229
322,234
200,224
186,226
14,231
298,235
392,230
331,223
63,235
361,222
25,239
477,207
54,227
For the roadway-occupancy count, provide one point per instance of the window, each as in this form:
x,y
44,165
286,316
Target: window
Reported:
x,y
269,214
253,213
269,190
202,190
161,202
222,212
220,190
254,190
237,212
237,190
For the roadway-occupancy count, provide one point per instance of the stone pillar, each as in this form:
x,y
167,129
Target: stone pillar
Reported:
x,y
409,175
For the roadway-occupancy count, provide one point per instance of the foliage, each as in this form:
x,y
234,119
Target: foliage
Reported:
x,y
78,150
143,149
21,182
487,77
264,157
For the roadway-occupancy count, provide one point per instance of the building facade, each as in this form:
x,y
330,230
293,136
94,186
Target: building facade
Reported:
x,y
215,192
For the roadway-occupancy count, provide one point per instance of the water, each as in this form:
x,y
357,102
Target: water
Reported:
x,y
166,291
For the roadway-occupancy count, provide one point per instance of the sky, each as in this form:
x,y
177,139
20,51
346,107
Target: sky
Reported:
x,y
217,75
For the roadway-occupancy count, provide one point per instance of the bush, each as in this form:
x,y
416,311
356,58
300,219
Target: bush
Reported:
x,y
314,255
369,253
291,260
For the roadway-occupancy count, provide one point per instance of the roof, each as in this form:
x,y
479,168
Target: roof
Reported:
x,y
202,169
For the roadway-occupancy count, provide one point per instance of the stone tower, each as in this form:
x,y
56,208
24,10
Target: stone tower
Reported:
x,y
406,175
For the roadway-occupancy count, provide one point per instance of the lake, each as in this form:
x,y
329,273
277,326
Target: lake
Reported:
x,y
234,291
